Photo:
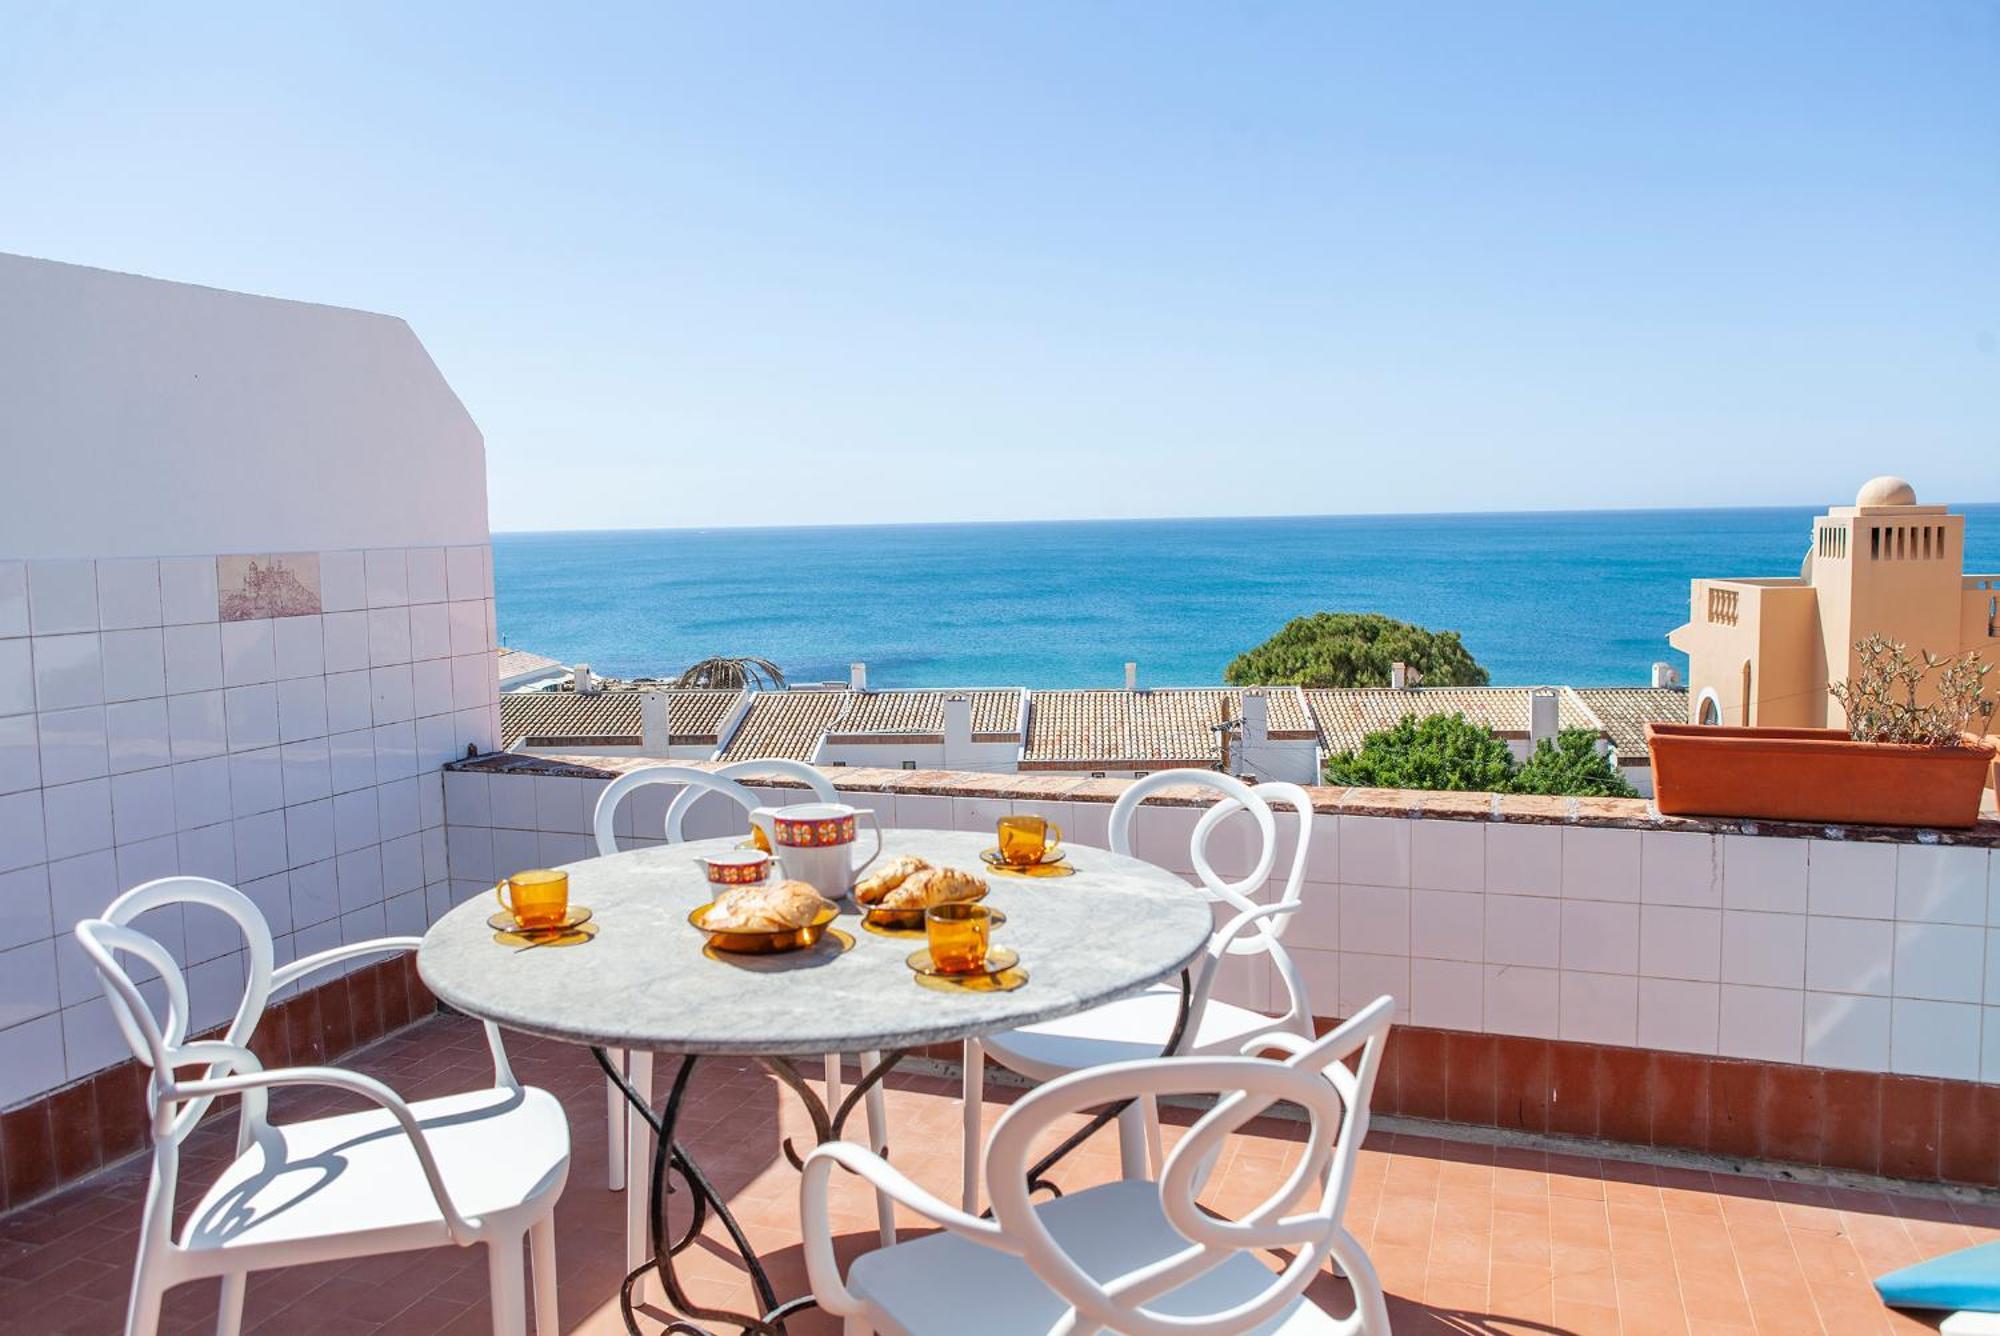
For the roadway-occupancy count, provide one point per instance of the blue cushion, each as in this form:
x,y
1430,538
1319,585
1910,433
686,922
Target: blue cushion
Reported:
x,y
1965,1280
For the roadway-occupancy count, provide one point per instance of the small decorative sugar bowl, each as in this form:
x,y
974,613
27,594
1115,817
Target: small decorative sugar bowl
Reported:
x,y
738,867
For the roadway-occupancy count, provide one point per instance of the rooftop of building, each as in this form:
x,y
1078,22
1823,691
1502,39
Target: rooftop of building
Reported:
x,y
1624,712
1125,728
1092,729
516,663
791,723
996,712
609,718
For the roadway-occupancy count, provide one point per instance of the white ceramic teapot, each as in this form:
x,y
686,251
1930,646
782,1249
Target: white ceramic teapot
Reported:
x,y
816,842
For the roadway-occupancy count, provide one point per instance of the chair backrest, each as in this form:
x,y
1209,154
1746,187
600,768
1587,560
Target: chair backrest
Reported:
x,y
1236,796
603,822
1332,1080
822,787
161,1040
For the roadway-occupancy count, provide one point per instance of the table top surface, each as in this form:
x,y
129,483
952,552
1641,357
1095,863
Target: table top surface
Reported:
x,y
648,982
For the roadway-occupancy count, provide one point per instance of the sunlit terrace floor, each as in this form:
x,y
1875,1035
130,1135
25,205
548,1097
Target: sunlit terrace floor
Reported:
x,y
1468,1238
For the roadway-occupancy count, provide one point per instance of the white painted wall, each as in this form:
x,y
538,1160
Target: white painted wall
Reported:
x,y
993,758
146,418
147,428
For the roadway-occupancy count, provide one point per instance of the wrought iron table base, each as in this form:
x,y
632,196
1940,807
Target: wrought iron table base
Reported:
x,y
670,1158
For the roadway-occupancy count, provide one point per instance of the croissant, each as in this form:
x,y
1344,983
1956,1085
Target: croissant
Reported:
x,y
787,904
934,886
886,878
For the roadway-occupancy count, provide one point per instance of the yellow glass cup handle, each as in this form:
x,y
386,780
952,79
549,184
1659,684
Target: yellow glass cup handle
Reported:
x,y
1051,840
500,894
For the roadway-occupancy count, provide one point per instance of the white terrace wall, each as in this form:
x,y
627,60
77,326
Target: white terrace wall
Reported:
x,y
1881,957
286,740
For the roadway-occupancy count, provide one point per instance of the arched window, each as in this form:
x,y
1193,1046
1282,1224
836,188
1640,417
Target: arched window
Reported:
x,y
1708,710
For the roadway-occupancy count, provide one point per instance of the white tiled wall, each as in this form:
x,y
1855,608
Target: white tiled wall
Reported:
x,y
296,758
1881,957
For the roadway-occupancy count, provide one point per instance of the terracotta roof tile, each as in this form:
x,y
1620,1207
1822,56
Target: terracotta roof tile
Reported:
x,y
996,712
785,724
608,718
1119,729
1625,712
611,717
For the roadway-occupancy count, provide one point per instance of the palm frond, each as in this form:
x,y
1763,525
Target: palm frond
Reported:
x,y
736,673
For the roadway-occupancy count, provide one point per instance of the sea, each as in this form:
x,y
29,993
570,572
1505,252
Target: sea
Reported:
x,y
1578,597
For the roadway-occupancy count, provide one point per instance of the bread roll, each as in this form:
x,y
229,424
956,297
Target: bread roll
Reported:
x,y
934,886
886,878
770,908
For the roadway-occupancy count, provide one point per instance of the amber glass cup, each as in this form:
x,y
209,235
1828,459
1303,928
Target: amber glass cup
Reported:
x,y
959,933
1027,840
538,899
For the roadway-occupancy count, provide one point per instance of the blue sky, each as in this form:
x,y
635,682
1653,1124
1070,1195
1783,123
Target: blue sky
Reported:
x,y
794,263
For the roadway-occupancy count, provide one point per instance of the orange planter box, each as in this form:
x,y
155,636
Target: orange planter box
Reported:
x,y
1814,774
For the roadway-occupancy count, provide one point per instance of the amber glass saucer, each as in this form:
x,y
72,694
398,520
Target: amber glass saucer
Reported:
x,y
1052,865
913,928
999,960
1006,981
503,921
575,935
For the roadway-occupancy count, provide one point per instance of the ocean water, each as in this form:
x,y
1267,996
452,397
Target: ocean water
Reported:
x,y
1585,598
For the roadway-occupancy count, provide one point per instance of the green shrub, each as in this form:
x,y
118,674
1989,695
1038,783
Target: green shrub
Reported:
x,y
1354,649
1570,765
1449,752
1439,751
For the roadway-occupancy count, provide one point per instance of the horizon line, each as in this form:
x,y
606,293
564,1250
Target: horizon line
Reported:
x,y
1198,519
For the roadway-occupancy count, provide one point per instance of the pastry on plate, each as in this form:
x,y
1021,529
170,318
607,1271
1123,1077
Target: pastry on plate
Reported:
x,y
770,908
934,886
886,878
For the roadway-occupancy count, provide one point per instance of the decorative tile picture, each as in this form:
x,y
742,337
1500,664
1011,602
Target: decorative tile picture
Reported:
x,y
285,585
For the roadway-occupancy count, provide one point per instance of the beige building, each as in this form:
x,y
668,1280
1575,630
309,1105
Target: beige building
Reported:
x,y
1762,651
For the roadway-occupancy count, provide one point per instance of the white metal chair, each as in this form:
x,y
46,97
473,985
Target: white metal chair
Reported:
x,y
622,1131
1134,1257
1140,1026
482,1167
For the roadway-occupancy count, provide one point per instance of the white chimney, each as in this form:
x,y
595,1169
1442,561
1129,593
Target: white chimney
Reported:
x,y
585,683
1544,716
1131,677
857,676
1399,676
957,732
1666,675
1256,719
654,735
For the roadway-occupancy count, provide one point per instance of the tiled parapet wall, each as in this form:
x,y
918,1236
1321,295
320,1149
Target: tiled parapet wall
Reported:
x,y
1575,926
74,1131
279,730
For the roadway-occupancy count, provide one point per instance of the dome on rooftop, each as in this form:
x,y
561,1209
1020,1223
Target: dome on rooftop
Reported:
x,y
1886,490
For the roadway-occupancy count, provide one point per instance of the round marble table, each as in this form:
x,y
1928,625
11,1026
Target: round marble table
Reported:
x,y
647,984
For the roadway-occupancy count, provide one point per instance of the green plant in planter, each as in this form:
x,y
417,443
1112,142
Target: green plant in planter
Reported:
x,y
1881,698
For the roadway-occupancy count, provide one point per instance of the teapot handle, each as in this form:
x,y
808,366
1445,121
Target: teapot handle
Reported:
x,y
874,826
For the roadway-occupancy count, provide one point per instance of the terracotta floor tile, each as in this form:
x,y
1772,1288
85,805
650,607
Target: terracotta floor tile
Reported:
x,y
1468,1238
1586,1319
